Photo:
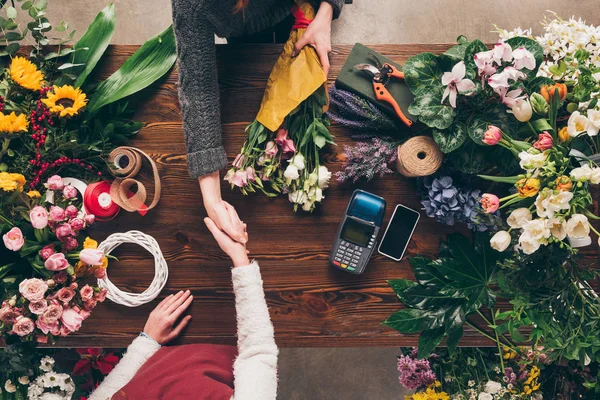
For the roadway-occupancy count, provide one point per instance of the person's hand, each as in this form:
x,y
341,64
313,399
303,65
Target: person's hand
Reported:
x,y
318,35
235,250
217,209
162,323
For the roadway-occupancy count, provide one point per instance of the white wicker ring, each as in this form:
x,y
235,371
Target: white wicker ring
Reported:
x,y
161,269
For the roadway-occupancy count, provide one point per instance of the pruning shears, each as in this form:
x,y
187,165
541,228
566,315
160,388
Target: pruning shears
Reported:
x,y
381,76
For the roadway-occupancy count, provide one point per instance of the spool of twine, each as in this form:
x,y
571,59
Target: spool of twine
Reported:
x,y
419,156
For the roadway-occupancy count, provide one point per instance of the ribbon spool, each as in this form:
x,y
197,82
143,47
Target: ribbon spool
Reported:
x,y
419,156
98,201
128,163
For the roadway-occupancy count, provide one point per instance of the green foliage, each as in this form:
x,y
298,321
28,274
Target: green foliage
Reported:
x,y
452,139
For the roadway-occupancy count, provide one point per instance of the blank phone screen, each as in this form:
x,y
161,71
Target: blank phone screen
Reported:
x,y
399,232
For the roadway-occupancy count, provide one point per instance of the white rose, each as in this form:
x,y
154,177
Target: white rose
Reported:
x,y
324,176
291,173
577,124
583,173
485,396
578,226
519,217
24,380
557,228
537,230
527,244
297,197
298,161
9,386
594,120
492,387
595,176
500,241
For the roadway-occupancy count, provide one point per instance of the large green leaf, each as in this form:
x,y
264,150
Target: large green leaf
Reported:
x,y
470,158
410,320
425,272
430,110
422,73
451,139
476,46
92,45
457,52
154,59
534,47
453,338
429,340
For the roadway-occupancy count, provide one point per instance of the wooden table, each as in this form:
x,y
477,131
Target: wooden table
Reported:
x,y
311,304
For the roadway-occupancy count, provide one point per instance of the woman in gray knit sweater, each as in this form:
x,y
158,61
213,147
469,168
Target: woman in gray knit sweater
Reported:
x,y
196,22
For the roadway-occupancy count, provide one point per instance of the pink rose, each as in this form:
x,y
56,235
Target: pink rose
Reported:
x,y
72,211
100,273
492,136
13,239
57,214
65,295
9,315
39,217
77,224
271,149
33,289
91,256
47,251
60,277
55,182
239,161
90,304
86,292
23,327
52,314
42,339
64,331
73,286
90,219
70,243
56,262
69,192
63,231
38,307
85,313
101,295
71,320
48,327
544,141
489,203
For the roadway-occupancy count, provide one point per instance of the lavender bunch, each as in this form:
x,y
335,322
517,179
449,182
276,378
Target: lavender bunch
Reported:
x,y
367,159
357,113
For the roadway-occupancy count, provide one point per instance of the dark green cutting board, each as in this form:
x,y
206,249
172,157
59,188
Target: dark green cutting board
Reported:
x,y
359,82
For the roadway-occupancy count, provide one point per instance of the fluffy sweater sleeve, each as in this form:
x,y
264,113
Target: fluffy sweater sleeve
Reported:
x,y
198,88
138,352
255,369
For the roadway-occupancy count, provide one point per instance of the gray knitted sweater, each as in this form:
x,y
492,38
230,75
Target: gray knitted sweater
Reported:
x,y
196,22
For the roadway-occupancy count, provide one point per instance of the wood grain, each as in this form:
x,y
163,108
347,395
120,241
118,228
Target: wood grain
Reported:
x,y
311,304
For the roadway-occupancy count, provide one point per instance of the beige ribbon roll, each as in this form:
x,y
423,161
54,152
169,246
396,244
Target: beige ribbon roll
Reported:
x,y
128,162
419,156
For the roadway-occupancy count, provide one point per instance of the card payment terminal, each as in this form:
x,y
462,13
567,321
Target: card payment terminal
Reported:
x,y
356,237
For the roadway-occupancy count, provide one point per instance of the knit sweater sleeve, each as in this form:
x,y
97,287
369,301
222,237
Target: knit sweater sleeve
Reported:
x,y
198,88
337,7
255,369
138,352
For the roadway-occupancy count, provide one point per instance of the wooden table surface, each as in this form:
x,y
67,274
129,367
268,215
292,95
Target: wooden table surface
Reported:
x,y
311,304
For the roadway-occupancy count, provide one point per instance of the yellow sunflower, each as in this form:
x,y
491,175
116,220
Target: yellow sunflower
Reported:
x,y
10,182
26,74
13,123
65,100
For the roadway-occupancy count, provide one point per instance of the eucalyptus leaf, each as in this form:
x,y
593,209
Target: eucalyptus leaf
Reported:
x,y
11,12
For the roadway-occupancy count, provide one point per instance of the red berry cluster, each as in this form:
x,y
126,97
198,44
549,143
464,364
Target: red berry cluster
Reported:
x,y
61,162
38,119
1,103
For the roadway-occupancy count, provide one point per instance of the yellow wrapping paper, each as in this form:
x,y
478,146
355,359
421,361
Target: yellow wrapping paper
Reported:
x,y
292,79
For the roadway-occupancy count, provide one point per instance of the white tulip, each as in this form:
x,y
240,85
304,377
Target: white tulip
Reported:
x,y
500,241
492,387
594,120
577,124
557,228
522,110
527,244
578,227
324,176
519,217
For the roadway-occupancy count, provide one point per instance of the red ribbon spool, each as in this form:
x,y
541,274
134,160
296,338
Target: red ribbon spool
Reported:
x,y
97,201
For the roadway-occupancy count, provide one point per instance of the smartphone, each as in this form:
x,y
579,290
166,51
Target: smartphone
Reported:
x,y
398,232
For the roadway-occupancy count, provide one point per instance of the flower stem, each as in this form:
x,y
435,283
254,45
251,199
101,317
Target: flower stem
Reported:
x,y
512,196
5,145
532,128
498,341
484,333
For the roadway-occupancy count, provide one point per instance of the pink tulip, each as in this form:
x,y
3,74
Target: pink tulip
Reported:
x,y
91,256
70,243
492,136
489,203
56,262
544,141
38,217
13,239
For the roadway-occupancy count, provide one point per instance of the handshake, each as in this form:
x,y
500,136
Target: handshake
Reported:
x,y
228,230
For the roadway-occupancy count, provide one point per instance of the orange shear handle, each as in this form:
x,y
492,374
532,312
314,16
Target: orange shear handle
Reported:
x,y
394,72
382,94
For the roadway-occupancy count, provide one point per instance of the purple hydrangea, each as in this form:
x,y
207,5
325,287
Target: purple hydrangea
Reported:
x,y
414,373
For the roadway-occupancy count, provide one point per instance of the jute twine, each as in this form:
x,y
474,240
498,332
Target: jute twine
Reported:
x,y
128,162
419,156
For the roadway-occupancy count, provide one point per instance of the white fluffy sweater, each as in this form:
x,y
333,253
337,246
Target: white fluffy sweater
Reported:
x,y
255,369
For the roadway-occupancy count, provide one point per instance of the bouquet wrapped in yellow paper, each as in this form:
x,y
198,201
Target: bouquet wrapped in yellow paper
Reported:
x,y
281,154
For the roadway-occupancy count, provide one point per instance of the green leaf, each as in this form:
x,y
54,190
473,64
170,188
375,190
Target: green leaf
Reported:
x,y
426,274
96,39
470,158
13,36
12,48
429,340
430,110
451,139
422,73
154,59
536,83
27,5
409,321
320,141
457,52
453,338
476,46
531,45
11,12
400,285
